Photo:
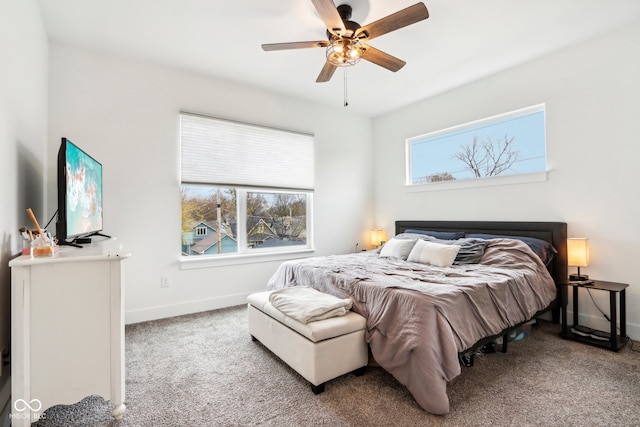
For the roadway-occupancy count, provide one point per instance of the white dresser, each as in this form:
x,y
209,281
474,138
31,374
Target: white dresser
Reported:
x,y
67,329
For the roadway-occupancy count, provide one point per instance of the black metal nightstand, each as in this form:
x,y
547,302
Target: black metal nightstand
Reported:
x,y
610,340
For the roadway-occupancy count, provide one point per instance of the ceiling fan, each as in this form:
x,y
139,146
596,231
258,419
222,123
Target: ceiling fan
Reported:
x,y
346,43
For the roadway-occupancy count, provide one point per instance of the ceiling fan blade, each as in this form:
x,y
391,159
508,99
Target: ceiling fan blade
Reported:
x,y
294,45
382,59
400,19
326,73
330,16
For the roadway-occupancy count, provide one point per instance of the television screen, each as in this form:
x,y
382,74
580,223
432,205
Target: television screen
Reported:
x,y
79,193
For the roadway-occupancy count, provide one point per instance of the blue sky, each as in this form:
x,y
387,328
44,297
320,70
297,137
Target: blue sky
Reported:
x,y
434,153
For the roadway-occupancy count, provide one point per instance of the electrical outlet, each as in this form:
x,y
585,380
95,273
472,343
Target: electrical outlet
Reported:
x,y
164,282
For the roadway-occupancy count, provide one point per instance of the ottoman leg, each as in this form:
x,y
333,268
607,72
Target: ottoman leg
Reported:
x,y
360,371
317,389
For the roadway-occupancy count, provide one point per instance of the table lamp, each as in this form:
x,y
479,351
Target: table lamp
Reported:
x,y
578,254
377,237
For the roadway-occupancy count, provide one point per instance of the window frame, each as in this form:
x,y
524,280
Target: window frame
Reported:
x,y
243,247
513,178
245,254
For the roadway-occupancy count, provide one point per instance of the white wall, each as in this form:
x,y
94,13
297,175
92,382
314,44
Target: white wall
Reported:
x,y
23,132
592,94
125,114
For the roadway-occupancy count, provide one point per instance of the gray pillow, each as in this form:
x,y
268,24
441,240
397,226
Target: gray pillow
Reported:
x,y
471,250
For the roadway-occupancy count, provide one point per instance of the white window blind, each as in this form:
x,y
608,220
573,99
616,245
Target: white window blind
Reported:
x,y
217,151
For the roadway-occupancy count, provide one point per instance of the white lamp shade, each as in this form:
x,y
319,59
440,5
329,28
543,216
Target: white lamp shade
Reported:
x,y
578,251
377,236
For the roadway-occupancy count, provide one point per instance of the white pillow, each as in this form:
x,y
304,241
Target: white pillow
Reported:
x,y
397,248
433,253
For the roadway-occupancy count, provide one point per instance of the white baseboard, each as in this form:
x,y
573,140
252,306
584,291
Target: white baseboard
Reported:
x,y
189,307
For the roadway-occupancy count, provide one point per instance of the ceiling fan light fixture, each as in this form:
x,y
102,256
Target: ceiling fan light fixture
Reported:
x,y
343,52
347,41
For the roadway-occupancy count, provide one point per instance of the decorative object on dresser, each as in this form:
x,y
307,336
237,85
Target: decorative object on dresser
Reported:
x,y
67,326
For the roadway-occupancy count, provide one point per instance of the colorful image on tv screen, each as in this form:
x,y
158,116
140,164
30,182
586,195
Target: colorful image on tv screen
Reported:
x,y
84,193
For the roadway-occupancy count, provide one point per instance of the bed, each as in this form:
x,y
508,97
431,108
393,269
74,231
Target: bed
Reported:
x,y
423,318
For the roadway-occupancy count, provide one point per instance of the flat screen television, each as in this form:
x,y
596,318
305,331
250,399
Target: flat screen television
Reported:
x,y
79,195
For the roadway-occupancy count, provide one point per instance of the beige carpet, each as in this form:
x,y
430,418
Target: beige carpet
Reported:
x,y
204,370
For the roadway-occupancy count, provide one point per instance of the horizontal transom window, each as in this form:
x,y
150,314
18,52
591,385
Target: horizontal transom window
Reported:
x,y
508,144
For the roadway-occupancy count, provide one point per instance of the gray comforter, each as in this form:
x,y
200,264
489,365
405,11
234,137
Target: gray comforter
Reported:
x,y
419,317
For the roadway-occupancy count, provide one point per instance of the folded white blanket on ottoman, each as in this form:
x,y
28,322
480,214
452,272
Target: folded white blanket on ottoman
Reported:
x,y
306,304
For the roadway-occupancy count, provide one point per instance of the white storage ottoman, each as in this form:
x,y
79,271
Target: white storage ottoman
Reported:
x,y
319,351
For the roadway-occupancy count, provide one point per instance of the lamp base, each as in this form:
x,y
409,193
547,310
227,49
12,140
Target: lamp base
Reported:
x,y
578,277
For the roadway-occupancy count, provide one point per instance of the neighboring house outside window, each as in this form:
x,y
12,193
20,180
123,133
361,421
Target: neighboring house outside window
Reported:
x,y
204,240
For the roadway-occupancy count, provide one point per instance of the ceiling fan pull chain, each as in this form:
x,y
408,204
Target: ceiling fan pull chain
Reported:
x,y
346,103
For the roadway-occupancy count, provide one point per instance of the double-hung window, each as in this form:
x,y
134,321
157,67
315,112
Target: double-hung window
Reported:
x,y
245,189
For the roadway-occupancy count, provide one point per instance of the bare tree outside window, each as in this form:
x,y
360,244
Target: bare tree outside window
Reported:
x,y
488,157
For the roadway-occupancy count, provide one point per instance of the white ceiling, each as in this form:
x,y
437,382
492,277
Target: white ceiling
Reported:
x,y
462,40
